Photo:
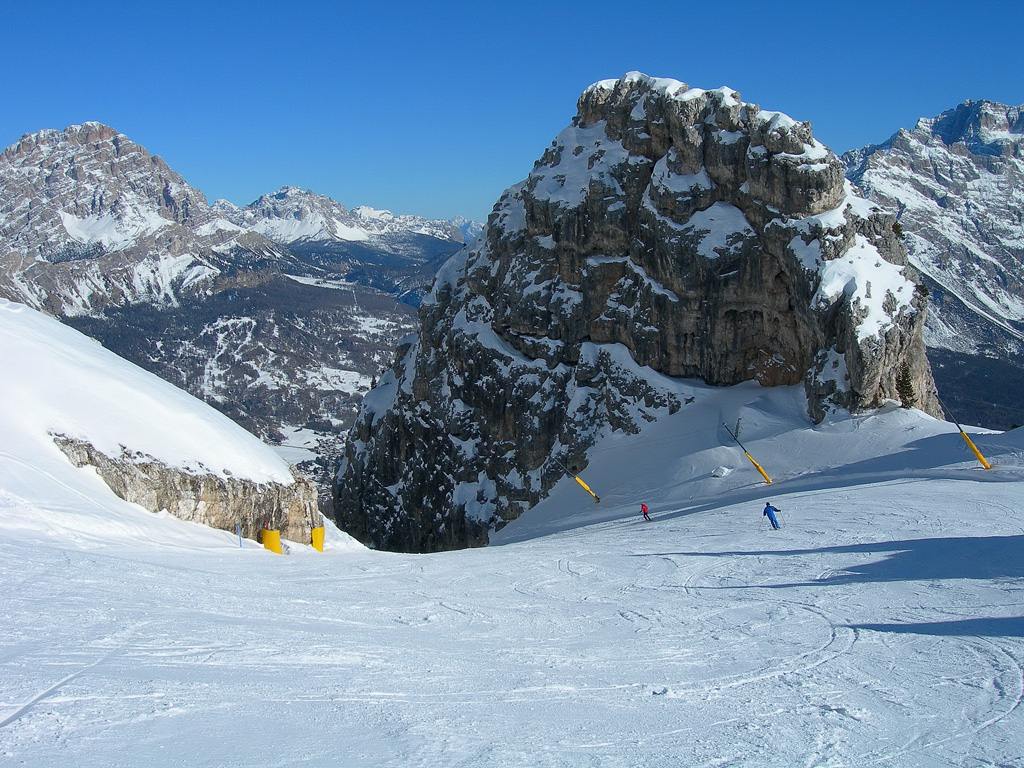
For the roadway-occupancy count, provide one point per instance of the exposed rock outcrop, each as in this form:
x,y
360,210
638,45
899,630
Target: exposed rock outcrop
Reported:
x,y
218,502
956,182
668,229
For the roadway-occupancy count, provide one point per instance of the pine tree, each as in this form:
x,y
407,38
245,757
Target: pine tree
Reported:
x,y
905,386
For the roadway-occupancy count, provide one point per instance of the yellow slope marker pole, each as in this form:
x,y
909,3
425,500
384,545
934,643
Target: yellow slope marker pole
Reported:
x,y
758,467
970,443
747,454
316,532
974,448
586,488
597,499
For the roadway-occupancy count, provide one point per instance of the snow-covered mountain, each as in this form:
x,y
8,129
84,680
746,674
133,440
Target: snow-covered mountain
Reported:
x,y
881,626
89,219
290,215
398,254
280,313
69,403
957,183
668,230
470,229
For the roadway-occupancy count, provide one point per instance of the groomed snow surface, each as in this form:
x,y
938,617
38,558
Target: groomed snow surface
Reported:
x,y
883,625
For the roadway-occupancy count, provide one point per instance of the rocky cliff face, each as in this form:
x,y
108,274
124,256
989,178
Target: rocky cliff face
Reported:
x,y
214,501
668,229
957,184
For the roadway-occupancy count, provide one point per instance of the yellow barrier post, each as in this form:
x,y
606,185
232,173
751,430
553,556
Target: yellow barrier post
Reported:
x,y
597,499
317,536
272,540
758,467
747,454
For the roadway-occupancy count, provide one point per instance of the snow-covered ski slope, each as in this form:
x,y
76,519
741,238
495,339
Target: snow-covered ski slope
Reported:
x,y
57,381
882,626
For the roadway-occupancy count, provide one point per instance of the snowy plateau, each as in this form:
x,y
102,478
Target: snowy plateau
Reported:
x,y
883,625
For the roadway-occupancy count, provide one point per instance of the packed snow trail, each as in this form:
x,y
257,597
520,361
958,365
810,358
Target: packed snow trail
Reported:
x,y
881,627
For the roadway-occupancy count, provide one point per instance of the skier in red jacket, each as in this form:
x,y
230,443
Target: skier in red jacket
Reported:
x,y
643,508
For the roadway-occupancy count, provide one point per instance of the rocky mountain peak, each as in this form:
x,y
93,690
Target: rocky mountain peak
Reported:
x,y
986,127
956,181
93,188
290,199
469,228
668,231
86,134
981,129
664,120
292,215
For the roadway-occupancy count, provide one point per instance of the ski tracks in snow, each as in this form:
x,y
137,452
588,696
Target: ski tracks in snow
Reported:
x,y
998,694
982,687
118,650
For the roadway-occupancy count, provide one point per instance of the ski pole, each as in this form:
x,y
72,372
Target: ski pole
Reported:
x,y
762,524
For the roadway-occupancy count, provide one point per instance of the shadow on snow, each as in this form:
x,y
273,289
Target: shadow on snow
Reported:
x,y
980,558
1010,626
984,557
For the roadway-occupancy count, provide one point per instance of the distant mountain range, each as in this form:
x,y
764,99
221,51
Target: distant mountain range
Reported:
x,y
956,182
280,313
397,254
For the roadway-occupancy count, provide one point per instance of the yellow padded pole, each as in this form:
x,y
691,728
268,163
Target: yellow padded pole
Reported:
x,y
974,448
758,468
317,535
587,489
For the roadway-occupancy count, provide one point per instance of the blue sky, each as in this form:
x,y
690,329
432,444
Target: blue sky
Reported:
x,y
435,108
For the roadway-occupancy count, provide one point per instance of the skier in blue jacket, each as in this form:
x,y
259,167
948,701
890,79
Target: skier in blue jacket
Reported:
x,y
770,511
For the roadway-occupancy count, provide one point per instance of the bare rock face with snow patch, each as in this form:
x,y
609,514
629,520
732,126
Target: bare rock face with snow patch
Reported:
x,y
90,219
205,498
957,183
668,230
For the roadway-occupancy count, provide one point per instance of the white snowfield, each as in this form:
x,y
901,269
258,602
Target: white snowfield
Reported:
x,y
882,626
56,380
